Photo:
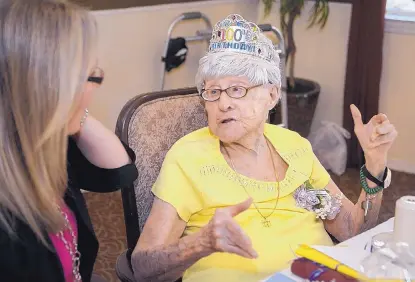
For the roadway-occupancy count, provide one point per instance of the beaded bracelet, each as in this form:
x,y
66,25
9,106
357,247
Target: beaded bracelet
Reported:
x,y
365,186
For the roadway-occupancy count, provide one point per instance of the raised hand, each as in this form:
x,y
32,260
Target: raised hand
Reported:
x,y
376,137
225,235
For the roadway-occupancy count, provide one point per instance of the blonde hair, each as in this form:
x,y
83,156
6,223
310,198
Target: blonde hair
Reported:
x,y
46,54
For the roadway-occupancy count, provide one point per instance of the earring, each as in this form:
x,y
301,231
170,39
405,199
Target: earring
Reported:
x,y
86,113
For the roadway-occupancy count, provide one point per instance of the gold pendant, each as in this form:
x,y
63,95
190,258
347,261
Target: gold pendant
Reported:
x,y
266,223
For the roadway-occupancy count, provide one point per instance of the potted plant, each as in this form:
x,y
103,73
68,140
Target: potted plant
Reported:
x,y
302,94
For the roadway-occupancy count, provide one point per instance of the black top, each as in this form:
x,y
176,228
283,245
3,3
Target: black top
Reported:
x,y
26,259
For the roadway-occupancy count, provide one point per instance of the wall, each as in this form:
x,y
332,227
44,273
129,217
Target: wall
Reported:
x,y
397,97
118,4
131,46
132,41
321,56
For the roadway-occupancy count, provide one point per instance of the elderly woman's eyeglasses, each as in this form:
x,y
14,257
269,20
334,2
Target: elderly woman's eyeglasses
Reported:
x,y
236,92
97,76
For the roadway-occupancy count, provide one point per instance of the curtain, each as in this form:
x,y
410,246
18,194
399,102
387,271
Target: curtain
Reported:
x,y
364,68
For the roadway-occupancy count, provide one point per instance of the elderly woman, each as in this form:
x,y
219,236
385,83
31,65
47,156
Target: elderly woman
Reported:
x,y
234,199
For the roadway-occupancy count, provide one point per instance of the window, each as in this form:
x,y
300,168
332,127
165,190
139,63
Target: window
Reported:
x,y
400,10
400,16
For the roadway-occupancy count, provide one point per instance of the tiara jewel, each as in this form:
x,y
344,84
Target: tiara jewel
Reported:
x,y
235,34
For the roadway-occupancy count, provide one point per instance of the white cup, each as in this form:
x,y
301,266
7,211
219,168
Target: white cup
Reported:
x,y
405,221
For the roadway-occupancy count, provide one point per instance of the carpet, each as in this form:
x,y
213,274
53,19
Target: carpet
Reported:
x,y
107,216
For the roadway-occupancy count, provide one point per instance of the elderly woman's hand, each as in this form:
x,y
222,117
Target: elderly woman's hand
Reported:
x,y
223,234
376,137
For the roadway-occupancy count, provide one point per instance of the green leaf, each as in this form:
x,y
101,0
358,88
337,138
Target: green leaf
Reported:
x,y
289,11
267,6
319,13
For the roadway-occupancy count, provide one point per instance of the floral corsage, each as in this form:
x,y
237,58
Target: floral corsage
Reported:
x,y
318,201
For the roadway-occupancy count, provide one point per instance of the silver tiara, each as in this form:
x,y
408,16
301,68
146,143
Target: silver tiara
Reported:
x,y
235,34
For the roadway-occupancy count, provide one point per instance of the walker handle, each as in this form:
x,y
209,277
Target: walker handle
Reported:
x,y
192,15
265,27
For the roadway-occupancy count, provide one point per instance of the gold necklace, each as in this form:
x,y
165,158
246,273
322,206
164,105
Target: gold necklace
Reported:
x,y
265,221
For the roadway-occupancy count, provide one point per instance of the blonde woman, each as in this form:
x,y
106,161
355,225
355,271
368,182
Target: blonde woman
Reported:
x,y
50,147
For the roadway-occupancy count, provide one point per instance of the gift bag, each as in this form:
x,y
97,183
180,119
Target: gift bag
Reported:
x,y
329,145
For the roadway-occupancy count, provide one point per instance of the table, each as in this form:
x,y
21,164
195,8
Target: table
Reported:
x,y
359,241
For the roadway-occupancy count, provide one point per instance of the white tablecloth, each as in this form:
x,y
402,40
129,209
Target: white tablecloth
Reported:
x,y
358,241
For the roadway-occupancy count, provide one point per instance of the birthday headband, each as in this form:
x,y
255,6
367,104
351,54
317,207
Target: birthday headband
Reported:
x,y
235,34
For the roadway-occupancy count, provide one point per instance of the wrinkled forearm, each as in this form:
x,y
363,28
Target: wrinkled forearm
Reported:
x,y
372,215
168,263
352,222
365,223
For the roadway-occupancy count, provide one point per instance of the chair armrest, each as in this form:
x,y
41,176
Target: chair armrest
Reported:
x,y
123,268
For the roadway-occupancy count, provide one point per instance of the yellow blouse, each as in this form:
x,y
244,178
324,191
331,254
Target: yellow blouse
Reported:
x,y
196,179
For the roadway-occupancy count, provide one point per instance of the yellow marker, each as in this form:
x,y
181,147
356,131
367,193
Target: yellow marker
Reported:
x,y
323,259
316,256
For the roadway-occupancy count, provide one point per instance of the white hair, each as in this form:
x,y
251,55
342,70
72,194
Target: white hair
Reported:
x,y
232,63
